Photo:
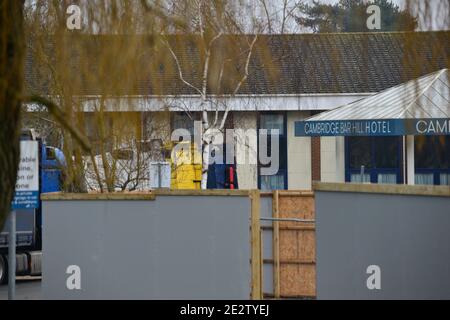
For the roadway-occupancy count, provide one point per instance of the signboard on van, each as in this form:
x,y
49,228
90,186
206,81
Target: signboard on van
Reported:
x,y
26,194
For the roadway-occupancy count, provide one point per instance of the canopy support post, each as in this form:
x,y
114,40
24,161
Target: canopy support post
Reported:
x,y
404,160
410,159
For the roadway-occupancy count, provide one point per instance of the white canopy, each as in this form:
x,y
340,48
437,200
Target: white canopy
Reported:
x,y
427,97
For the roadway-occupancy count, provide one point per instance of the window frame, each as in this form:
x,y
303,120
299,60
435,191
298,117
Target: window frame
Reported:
x,y
374,171
283,147
436,172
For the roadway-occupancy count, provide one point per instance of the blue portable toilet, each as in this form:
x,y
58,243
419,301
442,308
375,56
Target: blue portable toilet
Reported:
x,y
219,176
52,164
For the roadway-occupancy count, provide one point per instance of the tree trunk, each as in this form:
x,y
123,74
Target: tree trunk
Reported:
x,y
12,48
205,164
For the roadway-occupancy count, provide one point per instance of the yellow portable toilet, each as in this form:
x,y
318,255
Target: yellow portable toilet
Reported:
x,y
185,174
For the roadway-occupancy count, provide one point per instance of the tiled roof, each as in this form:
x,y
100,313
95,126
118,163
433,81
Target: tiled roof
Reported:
x,y
281,64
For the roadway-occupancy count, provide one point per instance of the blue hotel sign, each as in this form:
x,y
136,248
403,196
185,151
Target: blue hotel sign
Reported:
x,y
384,127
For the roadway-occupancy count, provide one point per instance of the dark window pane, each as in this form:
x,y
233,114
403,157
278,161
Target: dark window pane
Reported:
x,y
50,153
272,121
432,152
447,152
360,152
181,120
386,152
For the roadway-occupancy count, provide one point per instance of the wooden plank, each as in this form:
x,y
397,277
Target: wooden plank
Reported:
x,y
59,196
256,263
276,245
290,261
268,295
296,207
292,193
306,227
298,279
297,244
265,194
209,192
261,264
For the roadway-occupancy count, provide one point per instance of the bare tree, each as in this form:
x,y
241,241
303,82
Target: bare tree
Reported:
x,y
12,50
224,54
14,36
129,155
278,17
73,63
12,57
38,118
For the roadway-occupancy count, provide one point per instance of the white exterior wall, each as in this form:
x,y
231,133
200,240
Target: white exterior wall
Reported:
x,y
260,102
332,159
299,154
247,173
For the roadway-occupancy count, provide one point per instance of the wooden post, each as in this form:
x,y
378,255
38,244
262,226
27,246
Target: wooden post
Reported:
x,y
276,246
261,264
256,265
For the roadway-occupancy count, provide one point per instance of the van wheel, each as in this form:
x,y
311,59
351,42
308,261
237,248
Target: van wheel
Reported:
x,y
3,270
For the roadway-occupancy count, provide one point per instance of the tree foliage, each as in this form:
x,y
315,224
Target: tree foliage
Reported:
x,y
351,16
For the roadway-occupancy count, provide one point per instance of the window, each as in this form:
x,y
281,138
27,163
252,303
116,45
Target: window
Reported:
x,y
360,152
182,120
380,156
432,152
432,160
273,182
271,122
445,179
386,152
92,121
50,153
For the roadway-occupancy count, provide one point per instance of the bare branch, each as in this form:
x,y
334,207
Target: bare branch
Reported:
x,y
59,115
180,71
200,17
179,22
205,79
243,79
206,66
247,63
283,21
266,10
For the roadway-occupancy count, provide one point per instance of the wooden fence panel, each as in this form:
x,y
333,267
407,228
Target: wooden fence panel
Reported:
x,y
294,245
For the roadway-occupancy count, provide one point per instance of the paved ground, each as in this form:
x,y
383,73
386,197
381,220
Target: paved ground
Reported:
x,y
27,288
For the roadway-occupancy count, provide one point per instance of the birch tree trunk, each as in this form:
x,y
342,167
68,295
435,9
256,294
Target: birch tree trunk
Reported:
x,y
205,165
